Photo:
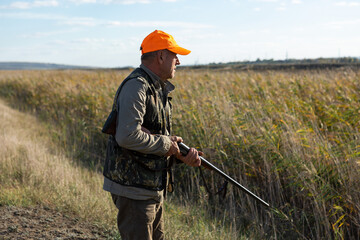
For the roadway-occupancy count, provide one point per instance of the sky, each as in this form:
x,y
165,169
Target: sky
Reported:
x,y
108,33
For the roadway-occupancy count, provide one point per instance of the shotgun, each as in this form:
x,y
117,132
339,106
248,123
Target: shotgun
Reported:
x,y
185,149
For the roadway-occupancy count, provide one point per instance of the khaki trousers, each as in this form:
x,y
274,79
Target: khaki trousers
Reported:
x,y
139,219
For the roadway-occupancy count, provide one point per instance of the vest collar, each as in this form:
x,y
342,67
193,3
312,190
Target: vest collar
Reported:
x,y
168,86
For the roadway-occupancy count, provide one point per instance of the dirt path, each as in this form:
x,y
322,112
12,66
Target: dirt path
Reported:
x,y
43,223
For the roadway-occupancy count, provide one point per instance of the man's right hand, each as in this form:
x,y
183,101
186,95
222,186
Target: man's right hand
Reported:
x,y
174,148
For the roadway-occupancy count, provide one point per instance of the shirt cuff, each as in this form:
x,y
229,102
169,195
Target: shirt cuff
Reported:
x,y
167,144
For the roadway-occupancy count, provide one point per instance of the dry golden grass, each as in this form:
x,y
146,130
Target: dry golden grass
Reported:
x,y
34,171
290,137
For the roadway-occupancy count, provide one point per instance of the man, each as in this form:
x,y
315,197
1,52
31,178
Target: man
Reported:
x,y
141,153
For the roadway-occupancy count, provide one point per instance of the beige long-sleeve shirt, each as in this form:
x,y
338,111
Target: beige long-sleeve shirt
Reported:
x,y
131,110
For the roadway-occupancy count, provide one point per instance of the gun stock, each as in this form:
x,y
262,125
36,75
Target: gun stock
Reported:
x,y
185,149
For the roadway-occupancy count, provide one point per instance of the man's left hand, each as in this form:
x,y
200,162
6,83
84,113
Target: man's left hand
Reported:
x,y
192,158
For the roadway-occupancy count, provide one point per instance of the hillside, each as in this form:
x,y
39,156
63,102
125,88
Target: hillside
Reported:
x,y
37,66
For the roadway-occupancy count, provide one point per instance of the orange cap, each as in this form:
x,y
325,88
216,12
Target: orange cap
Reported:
x,y
159,40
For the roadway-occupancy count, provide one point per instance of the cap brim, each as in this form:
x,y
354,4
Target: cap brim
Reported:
x,y
179,50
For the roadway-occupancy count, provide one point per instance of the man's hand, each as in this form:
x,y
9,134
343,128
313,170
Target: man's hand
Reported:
x,y
192,158
174,148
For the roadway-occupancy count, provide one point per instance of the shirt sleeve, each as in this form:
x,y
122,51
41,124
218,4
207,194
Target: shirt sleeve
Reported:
x,y
131,110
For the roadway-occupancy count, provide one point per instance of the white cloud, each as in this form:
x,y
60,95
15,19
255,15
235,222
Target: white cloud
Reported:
x,y
253,32
93,22
125,2
80,21
33,4
267,0
347,4
48,3
55,3
156,24
128,2
83,1
88,40
136,1
20,5
50,33
61,19
343,23
29,15
296,1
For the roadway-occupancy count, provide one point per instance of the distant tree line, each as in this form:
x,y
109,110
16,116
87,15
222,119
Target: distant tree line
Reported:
x,y
297,61
266,64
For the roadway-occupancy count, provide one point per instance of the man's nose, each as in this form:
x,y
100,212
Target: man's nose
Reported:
x,y
177,61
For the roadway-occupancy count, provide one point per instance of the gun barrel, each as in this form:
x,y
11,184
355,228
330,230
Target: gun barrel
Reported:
x,y
185,149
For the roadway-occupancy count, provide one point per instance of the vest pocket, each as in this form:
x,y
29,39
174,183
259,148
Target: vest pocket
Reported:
x,y
132,168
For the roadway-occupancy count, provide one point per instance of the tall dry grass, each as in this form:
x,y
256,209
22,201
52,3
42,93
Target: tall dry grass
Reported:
x,y
293,137
34,171
290,137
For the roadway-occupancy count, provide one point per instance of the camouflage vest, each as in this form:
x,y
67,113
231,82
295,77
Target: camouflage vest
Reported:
x,y
132,168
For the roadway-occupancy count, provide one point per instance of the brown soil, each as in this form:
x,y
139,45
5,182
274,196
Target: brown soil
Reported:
x,y
44,223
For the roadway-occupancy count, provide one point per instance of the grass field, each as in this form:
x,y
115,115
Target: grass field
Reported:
x,y
35,172
291,137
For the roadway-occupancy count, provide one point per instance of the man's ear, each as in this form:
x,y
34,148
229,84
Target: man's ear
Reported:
x,y
161,56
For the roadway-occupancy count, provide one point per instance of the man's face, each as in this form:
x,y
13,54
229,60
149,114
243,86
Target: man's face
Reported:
x,y
170,61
